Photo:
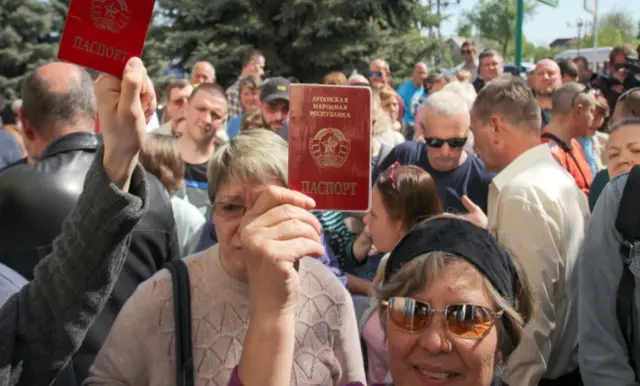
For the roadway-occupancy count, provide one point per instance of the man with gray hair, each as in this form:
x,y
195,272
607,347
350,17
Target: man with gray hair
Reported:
x,y
203,72
573,109
537,211
59,119
445,127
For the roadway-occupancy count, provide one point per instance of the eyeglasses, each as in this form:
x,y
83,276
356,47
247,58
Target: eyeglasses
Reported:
x,y
375,73
228,211
587,90
390,175
466,321
464,52
452,142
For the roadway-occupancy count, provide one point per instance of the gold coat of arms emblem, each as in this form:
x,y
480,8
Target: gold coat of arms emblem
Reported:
x,y
330,148
110,15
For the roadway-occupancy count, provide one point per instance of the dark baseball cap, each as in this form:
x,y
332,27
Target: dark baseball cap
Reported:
x,y
274,89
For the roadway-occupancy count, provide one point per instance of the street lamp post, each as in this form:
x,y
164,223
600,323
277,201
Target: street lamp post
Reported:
x,y
579,24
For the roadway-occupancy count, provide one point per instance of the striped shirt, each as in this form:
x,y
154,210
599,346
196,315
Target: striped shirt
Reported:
x,y
340,239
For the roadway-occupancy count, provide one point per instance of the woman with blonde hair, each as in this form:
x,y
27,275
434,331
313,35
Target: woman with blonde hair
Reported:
x,y
390,105
254,213
335,78
383,121
463,76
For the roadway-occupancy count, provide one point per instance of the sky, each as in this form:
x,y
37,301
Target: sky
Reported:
x,y
549,23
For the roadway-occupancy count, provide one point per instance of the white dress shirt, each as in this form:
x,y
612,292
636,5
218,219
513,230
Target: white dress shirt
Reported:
x,y
538,212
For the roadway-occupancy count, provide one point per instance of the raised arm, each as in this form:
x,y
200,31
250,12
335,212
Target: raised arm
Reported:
x,y
43,325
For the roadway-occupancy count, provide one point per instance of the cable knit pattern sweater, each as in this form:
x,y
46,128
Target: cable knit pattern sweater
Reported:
x,y
140,347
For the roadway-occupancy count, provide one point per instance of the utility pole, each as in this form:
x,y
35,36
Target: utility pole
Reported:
x,y
441,5
591,6
519,26
580,24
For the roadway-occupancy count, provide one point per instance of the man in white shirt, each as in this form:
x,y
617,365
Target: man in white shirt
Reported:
x,y
536,210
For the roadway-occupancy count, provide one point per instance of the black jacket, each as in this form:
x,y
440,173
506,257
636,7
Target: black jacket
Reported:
x,y
35,200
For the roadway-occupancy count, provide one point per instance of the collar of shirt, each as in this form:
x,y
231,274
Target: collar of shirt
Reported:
x,y
531,157
524,161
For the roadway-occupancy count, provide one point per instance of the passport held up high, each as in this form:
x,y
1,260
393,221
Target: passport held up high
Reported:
x,y
104,34
330,145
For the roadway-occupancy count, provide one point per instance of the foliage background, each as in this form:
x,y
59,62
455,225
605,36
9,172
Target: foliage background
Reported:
x,y
301,38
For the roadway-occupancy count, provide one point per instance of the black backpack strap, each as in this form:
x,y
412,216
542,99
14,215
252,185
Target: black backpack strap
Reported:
x,y
182,316
628,224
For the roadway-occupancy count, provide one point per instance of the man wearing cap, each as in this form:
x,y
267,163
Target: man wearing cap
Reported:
x,y
274,98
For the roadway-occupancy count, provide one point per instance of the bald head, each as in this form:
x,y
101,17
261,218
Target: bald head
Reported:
x,y
358,80
58,97
379,64
203,72
420,73
570,95
628,106
546,77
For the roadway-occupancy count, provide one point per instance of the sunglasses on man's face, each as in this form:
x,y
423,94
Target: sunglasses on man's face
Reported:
x,y
466,52
466,321
452,142
375,73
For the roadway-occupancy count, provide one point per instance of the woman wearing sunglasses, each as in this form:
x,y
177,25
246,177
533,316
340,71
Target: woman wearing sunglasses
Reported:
x,y
456,303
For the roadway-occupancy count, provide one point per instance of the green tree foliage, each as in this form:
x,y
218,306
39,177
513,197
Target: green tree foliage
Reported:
x,y
301,38
496,20
29,33
533,52
614,28
464,28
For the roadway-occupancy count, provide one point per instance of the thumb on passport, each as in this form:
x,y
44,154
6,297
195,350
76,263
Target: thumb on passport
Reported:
x,y
133,78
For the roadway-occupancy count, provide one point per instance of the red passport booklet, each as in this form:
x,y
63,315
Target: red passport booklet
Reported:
x,y
104,34
330,145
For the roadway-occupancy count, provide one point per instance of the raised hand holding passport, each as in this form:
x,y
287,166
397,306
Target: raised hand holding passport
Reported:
x,y
105,34
124,109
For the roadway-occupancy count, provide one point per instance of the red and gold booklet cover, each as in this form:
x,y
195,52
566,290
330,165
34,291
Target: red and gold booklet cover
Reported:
x,y
104,34
330,145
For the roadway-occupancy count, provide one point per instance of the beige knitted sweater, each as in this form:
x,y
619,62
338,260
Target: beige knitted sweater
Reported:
x,y
140,348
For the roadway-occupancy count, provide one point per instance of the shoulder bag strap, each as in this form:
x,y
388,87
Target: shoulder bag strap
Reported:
x,y
565,147
182,316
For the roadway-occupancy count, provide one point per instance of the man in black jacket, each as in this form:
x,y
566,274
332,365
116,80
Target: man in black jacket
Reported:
x,y
59,120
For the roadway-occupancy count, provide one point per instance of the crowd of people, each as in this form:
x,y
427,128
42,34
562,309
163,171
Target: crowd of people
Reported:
x,y
148,237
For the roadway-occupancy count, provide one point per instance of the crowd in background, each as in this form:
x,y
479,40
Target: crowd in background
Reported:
x,y
490,256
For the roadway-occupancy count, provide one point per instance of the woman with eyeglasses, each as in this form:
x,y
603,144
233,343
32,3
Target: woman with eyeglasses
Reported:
x,y
257,222
455,303
402,197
